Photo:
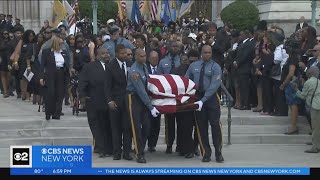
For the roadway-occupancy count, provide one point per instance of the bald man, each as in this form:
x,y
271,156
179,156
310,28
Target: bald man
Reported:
x,y
91,87
139,103
302,24
206,74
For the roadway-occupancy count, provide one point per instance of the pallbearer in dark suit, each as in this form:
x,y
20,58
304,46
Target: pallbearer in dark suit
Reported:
x,y
91,87
152,66
53,72
115,91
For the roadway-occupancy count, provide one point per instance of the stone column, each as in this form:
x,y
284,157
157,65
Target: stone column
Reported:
x,y
20,11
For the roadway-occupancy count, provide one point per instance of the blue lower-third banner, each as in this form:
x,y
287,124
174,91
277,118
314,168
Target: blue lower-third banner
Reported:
x,y
160,171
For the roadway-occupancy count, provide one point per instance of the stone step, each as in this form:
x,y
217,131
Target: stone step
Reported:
x,y
70,121
87,140
85,131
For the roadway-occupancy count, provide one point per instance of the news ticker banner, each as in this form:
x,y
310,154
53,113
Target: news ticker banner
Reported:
x,y
77,160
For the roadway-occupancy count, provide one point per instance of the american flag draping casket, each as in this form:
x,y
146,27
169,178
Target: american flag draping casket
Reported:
x,y
172,93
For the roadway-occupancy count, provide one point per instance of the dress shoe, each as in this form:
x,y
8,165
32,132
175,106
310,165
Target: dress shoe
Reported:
x,y
292,132
151,149
56,117
245,108
18,96
127,157
141,160
181,154
206,159
219,159
67,103
61,114
11,93
178,149
309,143
312,150
48,117
196,152
117,157
102,155
188,155
169,150
257,110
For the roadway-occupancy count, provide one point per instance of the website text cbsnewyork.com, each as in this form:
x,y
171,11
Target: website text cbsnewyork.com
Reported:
x,y
204,171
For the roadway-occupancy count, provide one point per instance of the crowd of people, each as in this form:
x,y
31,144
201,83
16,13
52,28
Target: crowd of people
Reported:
x,y
261,68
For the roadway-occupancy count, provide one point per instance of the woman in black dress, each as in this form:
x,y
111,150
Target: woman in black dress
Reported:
x,y
4,62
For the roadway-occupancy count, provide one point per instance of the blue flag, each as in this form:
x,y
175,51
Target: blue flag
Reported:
x,y
135,13
166,12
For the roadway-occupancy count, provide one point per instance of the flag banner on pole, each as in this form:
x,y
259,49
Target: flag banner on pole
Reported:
x,y
185,7
135,13
58,13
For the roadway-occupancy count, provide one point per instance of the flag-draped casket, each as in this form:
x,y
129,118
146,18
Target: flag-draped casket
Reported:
x,y
172,93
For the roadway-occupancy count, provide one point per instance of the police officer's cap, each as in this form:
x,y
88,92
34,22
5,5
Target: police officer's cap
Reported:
x,y
56,30
113,29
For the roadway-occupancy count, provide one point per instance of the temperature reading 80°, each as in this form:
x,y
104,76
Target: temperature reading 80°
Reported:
x,y
38,171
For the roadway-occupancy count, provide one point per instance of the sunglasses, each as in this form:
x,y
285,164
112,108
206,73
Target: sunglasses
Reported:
x,y
318,40
5,33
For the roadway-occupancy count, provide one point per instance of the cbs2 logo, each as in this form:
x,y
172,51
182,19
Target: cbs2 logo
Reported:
x,y
21,156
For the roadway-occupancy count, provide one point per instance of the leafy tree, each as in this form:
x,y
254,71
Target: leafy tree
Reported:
x,y
241,14
106,9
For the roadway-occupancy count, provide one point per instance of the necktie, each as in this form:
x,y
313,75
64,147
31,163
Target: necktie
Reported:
x,y
201,89
154,70
123,69
115,44
145,73
172,65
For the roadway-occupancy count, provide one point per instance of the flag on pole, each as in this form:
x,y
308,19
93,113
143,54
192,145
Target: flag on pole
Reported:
x,y
154,9
73,18
166,12
145,11
141,4
135,13
69,9
173,10
185,7
58,13
120,10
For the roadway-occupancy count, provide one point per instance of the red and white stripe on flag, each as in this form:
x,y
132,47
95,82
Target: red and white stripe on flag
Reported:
x,y
167,91
154,9
72,19
141,3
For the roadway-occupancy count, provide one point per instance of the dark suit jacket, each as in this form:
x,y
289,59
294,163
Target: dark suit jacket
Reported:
x,y
48,64
116,82
245,56
91,85
308,65
303,26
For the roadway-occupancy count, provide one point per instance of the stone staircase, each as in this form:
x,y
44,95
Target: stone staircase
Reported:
x,y
21,124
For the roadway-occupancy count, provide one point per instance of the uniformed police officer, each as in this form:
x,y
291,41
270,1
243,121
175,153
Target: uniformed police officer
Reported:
x,y
207,75
166,66
115,40
139,103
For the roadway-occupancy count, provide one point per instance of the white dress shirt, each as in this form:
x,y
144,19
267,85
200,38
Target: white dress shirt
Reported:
x,y
103,65
244,41
153,69
125,66
59,59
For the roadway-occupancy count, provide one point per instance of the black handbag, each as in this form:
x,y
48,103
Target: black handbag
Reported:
x,y
276,70
308,108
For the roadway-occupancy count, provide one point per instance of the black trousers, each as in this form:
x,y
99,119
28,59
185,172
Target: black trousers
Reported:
x,y
185,121
244,86
17,82
55,84
267,94
170,130
121,129
154,130
99,124
140,123
210,113
281,107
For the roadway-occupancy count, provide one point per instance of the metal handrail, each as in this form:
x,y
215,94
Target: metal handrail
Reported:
x,y
230,101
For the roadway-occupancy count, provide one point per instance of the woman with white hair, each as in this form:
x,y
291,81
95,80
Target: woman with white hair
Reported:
x,y
311,93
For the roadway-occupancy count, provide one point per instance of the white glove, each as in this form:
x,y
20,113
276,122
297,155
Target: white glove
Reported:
x,y
155,112
200,103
